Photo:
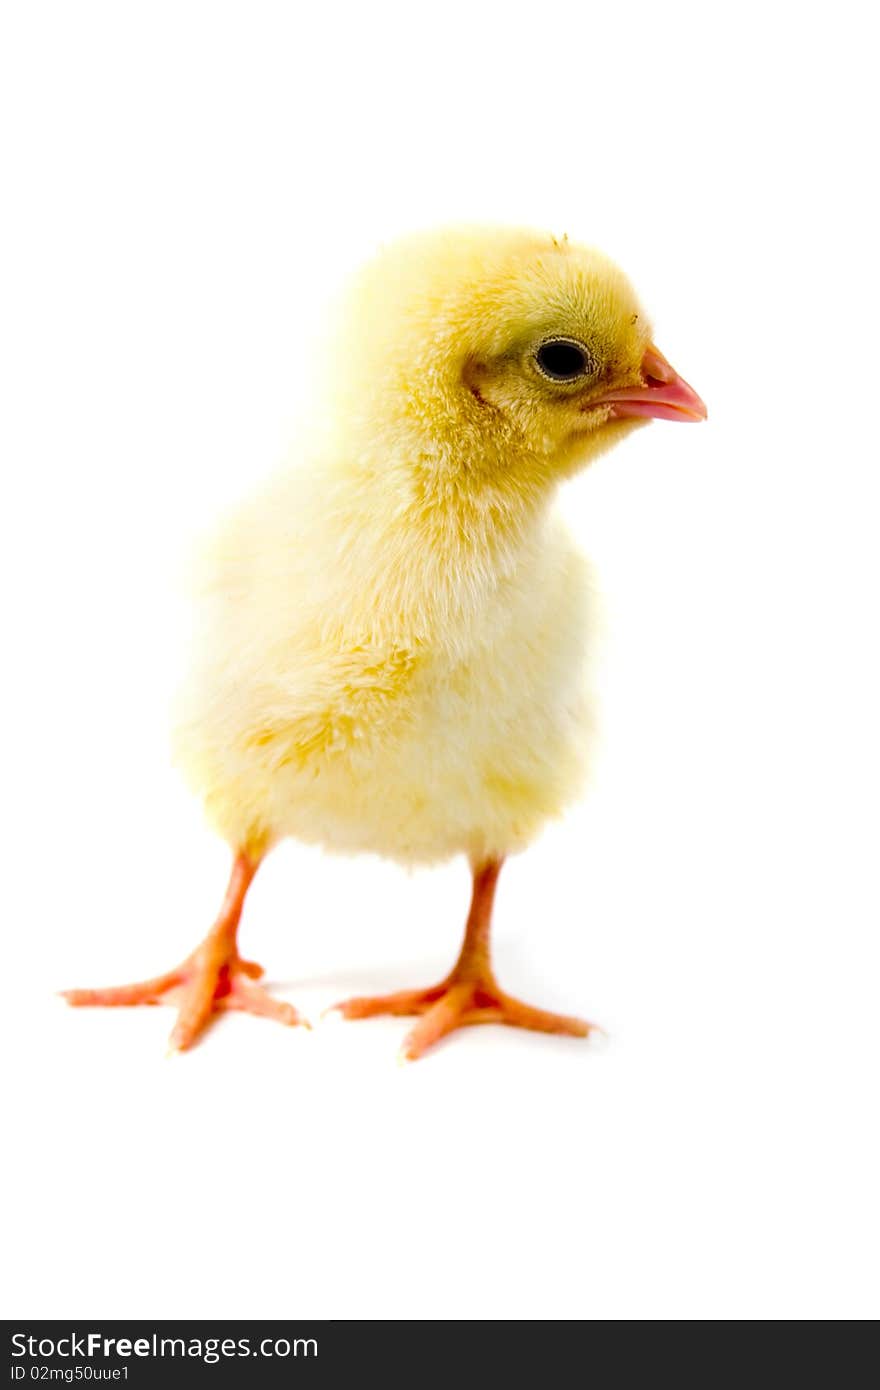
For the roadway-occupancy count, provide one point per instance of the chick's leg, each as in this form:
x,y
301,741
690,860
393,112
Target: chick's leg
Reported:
x,y
212,978
469,993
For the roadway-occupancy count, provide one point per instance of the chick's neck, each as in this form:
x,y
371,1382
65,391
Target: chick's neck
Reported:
x,y
432,534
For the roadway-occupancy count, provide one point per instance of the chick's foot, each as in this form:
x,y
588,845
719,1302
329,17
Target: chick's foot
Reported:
x,y
469,994
456,1003
213,978
201,987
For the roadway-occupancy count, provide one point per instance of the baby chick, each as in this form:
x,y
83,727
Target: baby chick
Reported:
x,y
392,636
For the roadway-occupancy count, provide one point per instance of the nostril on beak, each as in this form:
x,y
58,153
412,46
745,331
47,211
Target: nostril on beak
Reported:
x,y
655,367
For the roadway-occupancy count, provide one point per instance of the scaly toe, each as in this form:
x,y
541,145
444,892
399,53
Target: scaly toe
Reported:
x,y
520,1015
117,996
443,1017
401,1004
253,999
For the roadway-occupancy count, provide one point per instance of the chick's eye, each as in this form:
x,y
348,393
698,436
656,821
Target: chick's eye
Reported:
x,y
562,360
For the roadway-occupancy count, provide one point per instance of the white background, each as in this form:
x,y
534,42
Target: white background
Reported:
x,y
183,186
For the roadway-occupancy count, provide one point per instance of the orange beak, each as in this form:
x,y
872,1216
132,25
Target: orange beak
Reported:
x,y
665,395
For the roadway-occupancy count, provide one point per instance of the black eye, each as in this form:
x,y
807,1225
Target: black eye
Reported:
x,y
562,360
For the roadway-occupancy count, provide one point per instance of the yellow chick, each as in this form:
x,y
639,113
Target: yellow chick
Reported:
x,y
392,636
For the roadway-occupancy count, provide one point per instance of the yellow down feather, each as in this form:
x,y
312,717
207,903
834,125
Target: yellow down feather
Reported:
x,y
392,635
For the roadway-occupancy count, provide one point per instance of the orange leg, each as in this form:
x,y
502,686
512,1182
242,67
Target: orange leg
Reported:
x,y
469,993
213,978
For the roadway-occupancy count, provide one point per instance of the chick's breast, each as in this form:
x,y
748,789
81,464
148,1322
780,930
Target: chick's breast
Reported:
x,y
497,738
331,701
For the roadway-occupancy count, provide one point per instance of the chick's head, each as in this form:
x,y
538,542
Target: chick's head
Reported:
x,y
501,350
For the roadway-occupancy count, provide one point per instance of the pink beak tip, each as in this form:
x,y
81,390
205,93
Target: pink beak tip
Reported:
x,y
666,395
